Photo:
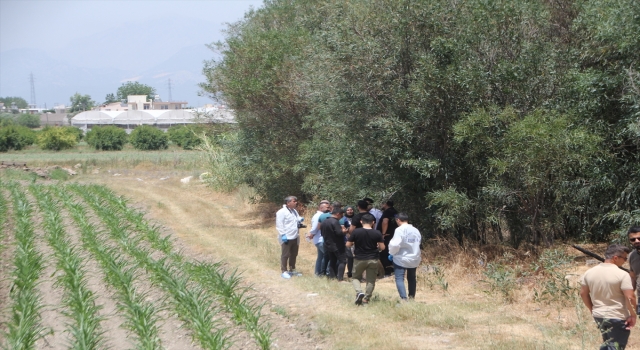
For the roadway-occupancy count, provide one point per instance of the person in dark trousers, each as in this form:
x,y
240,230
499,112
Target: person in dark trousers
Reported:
x,y
349,212
608,294
334,246
405,253
287,224
387,226
367,242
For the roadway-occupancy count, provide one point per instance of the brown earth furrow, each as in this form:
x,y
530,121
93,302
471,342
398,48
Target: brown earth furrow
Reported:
x,y
7,249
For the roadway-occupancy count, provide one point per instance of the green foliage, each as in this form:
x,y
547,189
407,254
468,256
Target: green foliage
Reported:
x,y
134,88
504,121
502,278
186,136
16,137
29,120
20,102
110,98
553,267
146,138
81,103
57,138
107,138
59,174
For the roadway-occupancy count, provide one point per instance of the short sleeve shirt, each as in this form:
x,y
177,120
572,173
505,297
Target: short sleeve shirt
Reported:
x,y
366,243
356,219
606,283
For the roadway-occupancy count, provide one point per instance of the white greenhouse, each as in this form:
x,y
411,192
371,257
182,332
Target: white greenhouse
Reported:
x,y
162,119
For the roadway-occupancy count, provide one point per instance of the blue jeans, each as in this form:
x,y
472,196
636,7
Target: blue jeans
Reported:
x,y
321,264
399,272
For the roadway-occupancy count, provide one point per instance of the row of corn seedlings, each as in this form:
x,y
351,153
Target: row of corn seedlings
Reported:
x,y
191,303
213,277
141,317
25,327
3,216
80,301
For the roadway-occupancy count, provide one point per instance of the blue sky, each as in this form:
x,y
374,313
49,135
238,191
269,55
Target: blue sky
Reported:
x,y
92,46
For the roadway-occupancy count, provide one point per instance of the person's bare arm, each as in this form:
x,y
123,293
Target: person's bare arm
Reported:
x,y
385,226
586,298
349,244
632,305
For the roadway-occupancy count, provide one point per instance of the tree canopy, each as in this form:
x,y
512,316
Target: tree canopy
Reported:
x,y
81,103
134,88
20,102
513,121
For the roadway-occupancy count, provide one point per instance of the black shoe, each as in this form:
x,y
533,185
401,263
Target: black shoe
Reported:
x,y
359,298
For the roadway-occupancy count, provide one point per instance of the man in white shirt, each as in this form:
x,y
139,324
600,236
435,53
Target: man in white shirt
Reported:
x,y
404,251
287,224
314,233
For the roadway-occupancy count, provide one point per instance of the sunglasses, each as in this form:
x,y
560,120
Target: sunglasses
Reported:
x,y
634,239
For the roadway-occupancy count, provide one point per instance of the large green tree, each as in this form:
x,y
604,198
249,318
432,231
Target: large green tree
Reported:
x,y
487,120
81,103
134,88
19,101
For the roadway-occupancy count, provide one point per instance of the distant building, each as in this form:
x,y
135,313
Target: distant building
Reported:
x,y
140,103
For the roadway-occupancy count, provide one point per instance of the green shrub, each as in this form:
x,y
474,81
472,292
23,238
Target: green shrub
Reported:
x,y
146,138
185,136
57,138
6,119
59,174
75,131
16,137
29,120
107,138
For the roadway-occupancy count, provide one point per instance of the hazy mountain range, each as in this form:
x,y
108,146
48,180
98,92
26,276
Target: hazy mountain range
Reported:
x,y
151,52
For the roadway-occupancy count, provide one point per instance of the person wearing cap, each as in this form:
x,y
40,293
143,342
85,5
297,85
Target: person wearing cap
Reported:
x,y
405,253
334,246
287,225
316,236
607,292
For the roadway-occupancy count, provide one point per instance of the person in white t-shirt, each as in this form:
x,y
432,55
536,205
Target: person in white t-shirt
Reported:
x,y
404,251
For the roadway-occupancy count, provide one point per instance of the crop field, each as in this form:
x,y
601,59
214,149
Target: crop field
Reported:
x,y
83,269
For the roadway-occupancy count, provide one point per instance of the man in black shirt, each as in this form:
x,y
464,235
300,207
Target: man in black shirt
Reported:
x,y
368,242
334,245
387,226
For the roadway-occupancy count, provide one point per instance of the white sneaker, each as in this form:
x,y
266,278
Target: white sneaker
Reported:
x,y
294,273
286,275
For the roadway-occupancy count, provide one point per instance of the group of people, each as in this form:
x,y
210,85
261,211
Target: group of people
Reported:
x,y
368,242
608,292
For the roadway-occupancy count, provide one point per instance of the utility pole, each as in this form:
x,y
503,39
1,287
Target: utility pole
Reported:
x,y
170,98
33,91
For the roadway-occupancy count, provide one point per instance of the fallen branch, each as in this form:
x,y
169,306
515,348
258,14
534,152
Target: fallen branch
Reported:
x,y
594,255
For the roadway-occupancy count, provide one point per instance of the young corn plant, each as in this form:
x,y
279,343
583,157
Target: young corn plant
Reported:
x,y
141,316
245,310
79,300
192,303
24,327
212,277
